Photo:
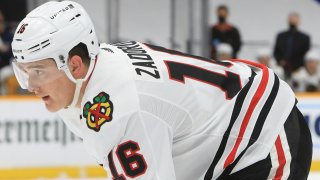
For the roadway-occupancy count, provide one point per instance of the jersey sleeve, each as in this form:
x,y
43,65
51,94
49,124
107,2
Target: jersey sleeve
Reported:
x,y
144,151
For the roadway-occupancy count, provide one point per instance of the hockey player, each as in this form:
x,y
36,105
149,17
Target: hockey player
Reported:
x,y
224,52
146,112
307,78
264,57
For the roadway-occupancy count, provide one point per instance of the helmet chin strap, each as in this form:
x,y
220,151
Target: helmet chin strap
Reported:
x,y
79,83
76,92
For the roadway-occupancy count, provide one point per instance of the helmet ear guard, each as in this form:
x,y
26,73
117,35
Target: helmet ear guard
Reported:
x,y
51,31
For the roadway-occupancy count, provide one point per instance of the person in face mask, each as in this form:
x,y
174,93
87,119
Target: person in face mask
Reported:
x,y
224,32
6,73
291,46
5,40
307,78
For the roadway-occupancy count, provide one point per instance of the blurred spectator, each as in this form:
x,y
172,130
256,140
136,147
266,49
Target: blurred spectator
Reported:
x,y
5,54
264,57
223,32
291,46
224,51
307,78
5,42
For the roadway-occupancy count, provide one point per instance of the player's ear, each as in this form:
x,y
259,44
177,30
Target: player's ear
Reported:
x,y
76,66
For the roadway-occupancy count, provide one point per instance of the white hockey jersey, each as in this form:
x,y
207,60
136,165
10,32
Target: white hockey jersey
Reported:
x,y
303,81
153,113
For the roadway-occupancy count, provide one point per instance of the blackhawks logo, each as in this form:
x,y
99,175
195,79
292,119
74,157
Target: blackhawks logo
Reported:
x,y
98,112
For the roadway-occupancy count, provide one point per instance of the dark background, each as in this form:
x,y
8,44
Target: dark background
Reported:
x,y
13,10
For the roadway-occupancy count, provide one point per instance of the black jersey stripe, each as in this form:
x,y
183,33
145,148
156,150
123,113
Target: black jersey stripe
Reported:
x,y
265,111
235,113
258,126
178,53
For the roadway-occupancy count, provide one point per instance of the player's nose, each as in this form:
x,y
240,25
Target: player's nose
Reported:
x,y
32,87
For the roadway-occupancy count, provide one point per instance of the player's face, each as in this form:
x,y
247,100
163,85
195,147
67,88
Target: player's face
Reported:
x,y
311,66
264,60
224,56
49,83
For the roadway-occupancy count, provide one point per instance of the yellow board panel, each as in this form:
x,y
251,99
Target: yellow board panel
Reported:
x,y
315,166
71,172
308,95
52,172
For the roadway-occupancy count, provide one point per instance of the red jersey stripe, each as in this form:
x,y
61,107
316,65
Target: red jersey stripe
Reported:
x,y
256,98
281,159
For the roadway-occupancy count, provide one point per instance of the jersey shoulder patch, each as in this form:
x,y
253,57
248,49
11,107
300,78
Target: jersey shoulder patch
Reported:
x,y
98,111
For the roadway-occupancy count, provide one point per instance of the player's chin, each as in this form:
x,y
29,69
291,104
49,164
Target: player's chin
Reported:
x,y
51,107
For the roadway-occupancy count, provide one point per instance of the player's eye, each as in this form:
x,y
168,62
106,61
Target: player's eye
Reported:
x,y
38,72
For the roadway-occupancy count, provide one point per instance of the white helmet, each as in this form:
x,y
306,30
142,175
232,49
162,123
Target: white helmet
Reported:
x,y
264,52
312,55
224,48
51,31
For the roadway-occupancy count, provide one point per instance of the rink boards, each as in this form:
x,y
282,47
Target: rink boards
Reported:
x,y
309,104
36,143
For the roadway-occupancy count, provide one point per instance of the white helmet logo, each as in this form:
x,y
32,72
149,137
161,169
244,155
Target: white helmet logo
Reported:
x,y
70,6
22,28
